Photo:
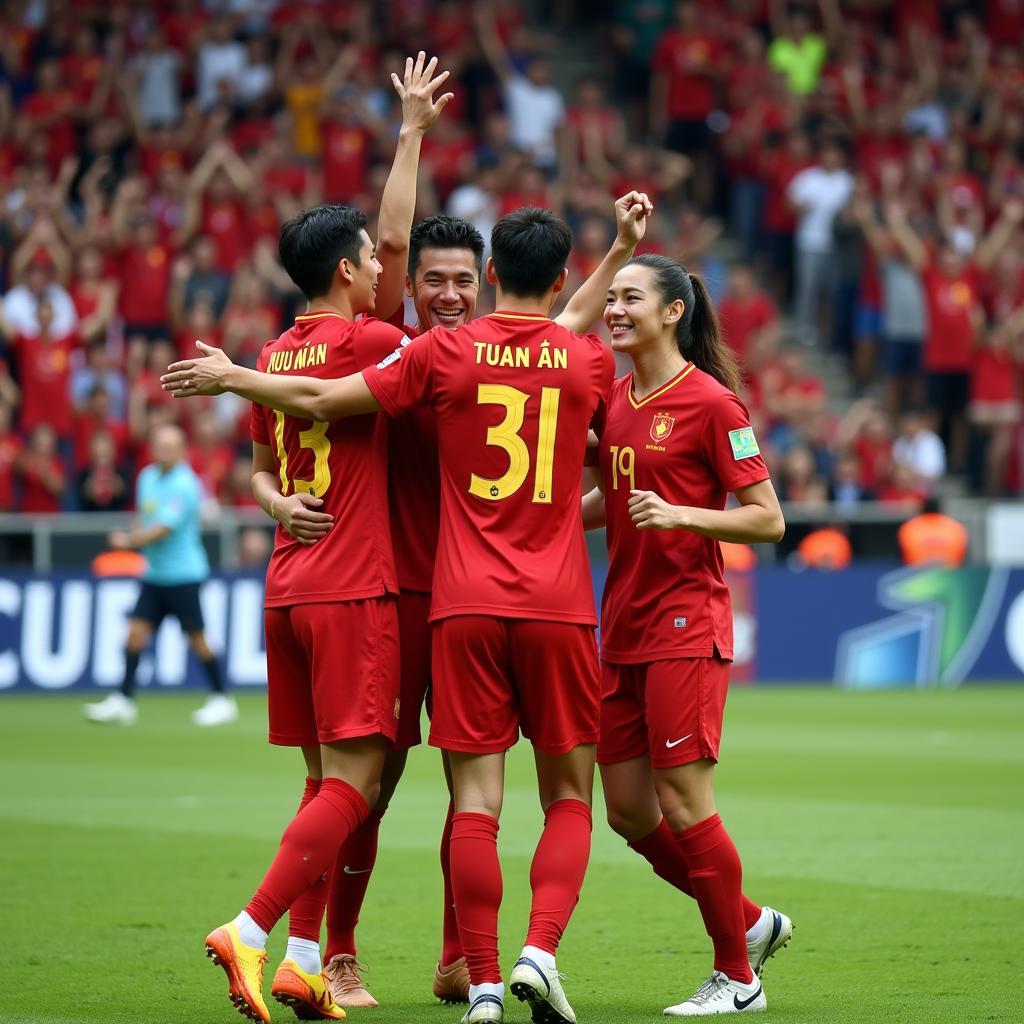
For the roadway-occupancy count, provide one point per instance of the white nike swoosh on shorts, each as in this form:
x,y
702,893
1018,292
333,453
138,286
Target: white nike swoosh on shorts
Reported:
x,y
349,871
672,743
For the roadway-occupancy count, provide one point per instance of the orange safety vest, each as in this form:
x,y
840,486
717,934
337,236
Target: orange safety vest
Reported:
x,y
826,549
933,537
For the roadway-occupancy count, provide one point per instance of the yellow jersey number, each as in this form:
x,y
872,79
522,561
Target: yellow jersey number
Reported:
x,y
316,440
622,466
505,435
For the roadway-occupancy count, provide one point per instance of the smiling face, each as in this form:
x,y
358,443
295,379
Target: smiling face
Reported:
x,y
364,278
445,287
635,313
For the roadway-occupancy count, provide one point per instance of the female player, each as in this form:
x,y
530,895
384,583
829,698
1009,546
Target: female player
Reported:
x,y
674,441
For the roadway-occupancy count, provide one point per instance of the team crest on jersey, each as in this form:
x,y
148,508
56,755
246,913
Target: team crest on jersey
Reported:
x,y
662,426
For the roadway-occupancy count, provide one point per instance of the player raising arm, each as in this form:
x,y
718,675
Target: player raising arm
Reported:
x,y
674,442
514,394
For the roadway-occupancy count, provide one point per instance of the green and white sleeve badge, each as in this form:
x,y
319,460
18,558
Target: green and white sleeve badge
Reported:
x,y
744,444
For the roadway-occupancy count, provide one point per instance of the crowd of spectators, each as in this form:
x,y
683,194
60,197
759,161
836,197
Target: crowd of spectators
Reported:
x,y
866,158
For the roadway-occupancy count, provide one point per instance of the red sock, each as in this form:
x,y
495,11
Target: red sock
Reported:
x,y
348,881
451,945
476,882
556,874
308,847
307,912
660,849
716,876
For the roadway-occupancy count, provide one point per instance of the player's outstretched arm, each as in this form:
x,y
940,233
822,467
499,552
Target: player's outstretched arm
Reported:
x,y
587,305
305,397
758,520
398,203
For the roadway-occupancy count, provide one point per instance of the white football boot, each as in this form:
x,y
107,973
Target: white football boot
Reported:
x,y
219,709
114,709
541,987
777,932
720,994
485,1009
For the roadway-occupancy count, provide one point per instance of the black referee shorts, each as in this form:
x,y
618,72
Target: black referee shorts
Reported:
x,y
179,600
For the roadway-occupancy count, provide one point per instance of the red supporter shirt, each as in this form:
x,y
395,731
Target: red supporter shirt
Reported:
x,y
145,284
414,493
84,429
10,446
346,159
343,462
686,60
691,443
514,395
44,370
35,495
741,319
950,340
994,376
226,224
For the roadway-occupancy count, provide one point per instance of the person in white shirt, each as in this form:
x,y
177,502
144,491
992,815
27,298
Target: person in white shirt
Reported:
x,y
535,108
920,450
817,194
21,303
221,57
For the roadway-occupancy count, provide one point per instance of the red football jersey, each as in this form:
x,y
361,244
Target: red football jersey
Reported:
x,y
414,493
343,462
514,395
691,443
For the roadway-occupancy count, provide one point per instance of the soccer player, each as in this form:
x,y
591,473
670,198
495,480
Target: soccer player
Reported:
x,y
168,498
444,267
513,637
331,585
674,442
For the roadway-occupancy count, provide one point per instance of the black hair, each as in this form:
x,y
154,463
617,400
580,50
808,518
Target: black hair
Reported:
x,y
315,241
530,248
698,334
931,505
444,232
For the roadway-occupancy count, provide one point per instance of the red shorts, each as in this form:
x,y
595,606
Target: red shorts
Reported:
x,y
414,640
332,671
669,710
494,676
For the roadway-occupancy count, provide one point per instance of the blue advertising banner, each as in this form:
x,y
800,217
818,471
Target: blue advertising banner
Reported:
x,y
863,628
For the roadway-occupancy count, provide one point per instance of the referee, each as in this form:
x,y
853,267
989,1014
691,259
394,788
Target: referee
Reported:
x,y
168,498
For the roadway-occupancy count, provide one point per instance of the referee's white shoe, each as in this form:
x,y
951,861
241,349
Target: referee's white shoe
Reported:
x,y
219,709
114,709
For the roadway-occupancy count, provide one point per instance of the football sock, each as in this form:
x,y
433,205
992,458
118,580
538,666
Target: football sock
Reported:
x,y
716,876
214,676
349,878
556,874
476,881
539,956
308,847
488,988
306,953
250,932
660,849
131,666
759,927
451,946
307,912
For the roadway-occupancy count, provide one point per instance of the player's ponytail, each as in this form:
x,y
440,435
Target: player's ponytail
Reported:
x,y
698,334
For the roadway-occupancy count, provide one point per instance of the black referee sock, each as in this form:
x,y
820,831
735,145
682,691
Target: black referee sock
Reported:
x,y
131,665
213,675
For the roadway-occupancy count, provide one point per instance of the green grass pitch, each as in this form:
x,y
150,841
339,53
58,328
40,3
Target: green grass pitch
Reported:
x,y
889,826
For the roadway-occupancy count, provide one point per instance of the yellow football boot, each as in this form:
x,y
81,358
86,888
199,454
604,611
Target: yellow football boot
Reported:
x,y
309,995
244,967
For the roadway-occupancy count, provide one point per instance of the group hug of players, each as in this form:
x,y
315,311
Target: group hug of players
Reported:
x,y
440,549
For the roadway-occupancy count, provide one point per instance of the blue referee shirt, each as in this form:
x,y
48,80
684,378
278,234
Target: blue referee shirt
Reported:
x,y
172,499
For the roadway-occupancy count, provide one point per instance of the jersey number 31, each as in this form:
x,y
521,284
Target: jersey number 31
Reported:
x,y
505,435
